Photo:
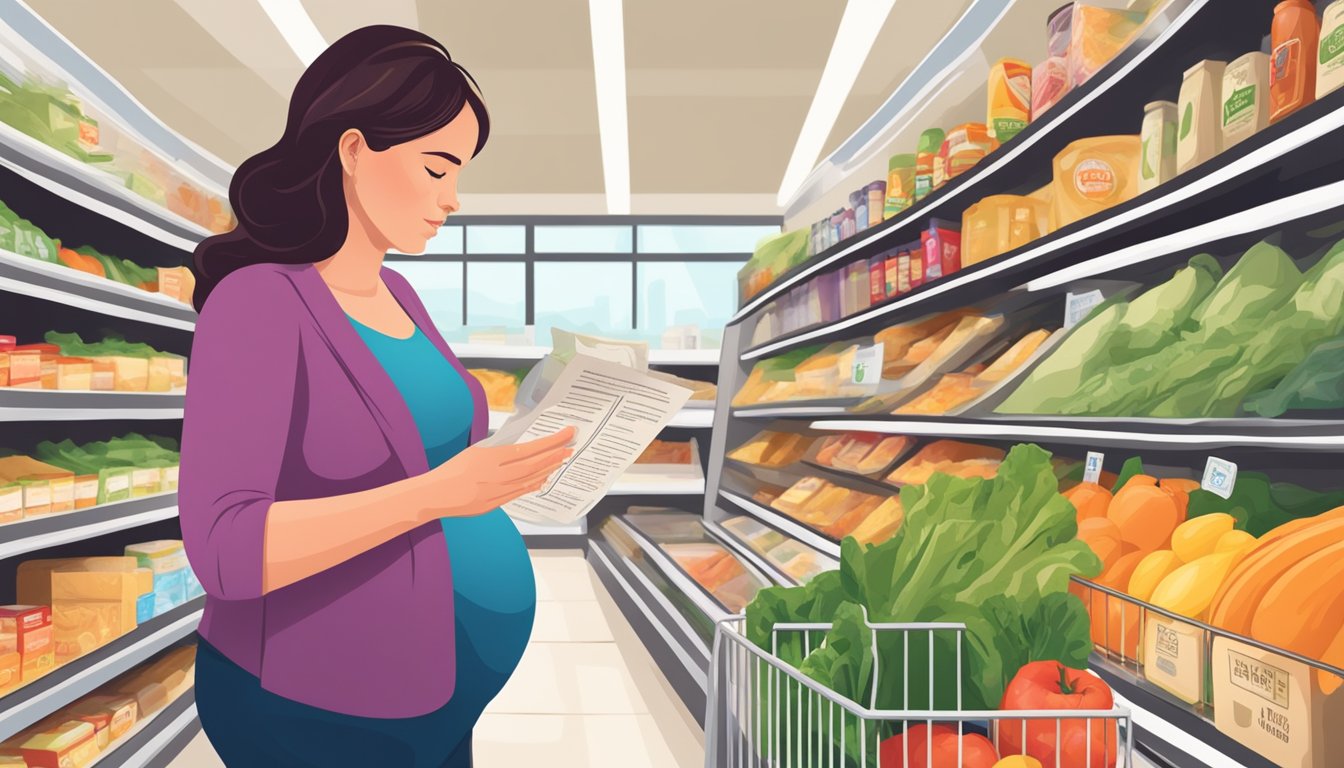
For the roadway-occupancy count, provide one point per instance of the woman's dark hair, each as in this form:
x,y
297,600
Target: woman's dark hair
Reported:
x,y
390,83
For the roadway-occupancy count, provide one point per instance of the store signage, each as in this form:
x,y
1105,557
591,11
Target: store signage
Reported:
x,y
1092,467
1220,477
1077,305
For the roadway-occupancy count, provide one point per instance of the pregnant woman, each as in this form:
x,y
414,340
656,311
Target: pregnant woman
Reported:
x,y
366,597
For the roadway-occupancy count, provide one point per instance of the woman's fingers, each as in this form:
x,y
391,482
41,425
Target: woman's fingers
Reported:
x,y
542,445
552,459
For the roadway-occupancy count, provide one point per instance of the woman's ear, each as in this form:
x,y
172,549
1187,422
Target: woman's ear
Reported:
x,y
349,147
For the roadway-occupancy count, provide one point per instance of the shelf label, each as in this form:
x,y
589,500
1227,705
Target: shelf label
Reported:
x,y
1220,477
1077,305
867,369
1092,467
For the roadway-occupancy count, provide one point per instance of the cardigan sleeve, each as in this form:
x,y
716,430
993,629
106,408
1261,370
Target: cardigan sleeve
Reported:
x,y
239,407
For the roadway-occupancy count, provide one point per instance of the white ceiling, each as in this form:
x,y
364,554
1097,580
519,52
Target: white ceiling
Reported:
x,y
717,91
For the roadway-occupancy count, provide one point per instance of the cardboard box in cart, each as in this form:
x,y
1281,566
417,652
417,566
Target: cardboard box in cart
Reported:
x,y
1273,705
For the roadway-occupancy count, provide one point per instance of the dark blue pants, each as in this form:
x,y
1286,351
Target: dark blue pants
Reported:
x,y
250,727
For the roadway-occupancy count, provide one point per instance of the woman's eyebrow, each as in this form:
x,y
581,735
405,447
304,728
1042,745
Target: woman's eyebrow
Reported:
x,y
446,156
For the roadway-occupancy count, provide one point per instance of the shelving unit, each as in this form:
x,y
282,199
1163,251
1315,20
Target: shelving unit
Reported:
x,y
69,683
38,533
49,405
154,741
72,288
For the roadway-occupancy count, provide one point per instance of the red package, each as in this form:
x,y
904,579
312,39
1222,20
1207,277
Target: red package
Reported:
x,y
942,248
877,280
1049,84
916,265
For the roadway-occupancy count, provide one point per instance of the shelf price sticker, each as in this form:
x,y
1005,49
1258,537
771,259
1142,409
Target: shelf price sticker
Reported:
x,y
866,371
1220,477
1092,467
1077,305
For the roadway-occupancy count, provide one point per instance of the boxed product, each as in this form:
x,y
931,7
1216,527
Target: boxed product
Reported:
x,y
930,143
1001,223
1096,36
74,373
11,668
941,242
1091,175
168,561
120,711
70,745
91,609
177,283
33,577
1173,656
11,502
46,488
1200,136
32,627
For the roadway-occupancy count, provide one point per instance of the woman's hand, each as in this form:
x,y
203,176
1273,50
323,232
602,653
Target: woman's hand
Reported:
x,y
483,477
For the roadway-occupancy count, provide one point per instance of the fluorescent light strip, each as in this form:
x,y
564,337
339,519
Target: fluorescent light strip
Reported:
x,y
1279,211
297,27
1277,148
608,27
991,165
859,27
1031,431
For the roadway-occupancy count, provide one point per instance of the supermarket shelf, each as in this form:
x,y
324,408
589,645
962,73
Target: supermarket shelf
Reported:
x,y
673,572
1167,434
70,287
784,523
682,657
631,487
577,528
1172,734
790,411
56,405
95,190
740,547
470,351
1216,187
156,740
82,676
37,533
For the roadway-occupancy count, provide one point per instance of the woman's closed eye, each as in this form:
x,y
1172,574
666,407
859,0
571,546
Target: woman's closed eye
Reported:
x,y
433,174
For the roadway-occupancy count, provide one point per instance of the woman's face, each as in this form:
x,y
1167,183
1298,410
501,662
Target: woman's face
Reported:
x,y
403,193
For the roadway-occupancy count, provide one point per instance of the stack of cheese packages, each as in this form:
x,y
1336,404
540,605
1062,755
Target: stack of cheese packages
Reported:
x,y
60,477
76,735
66,362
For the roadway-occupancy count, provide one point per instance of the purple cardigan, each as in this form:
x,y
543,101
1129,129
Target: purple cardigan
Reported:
x,y
287,402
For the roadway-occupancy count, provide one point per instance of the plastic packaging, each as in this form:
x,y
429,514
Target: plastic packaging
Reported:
x,y
858,203
1199,138
1058,28
1245,98
1009,107
1096,35
941,242
900,185
998,224
966,145
930,142
1330,58
1158,164
1094,174
1294,37
876,192
1049,84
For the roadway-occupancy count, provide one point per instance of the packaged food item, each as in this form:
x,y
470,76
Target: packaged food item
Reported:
x,y
74,373
1158,139
1330,60
1096,35
967,145
886,452
1049,84
1245,98
168,561
854,451
11,669
40,482
1091,175
900,185
877,279
941,243
930,142
891,273
119,710
90,609
32,628
940,166
177,283
799,494
916,259
1059,31
1000,223
1009,108
1199,137
70,745
1294,38
11,502
876,194
858,202
903,284
882,523
951,457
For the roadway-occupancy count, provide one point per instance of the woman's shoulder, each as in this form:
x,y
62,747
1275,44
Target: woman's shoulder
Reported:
x,y
269,288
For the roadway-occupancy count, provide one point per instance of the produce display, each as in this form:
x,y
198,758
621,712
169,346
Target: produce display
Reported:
x,y
22,237
77,734
45,109
67,362
61,477
1203,344
995,554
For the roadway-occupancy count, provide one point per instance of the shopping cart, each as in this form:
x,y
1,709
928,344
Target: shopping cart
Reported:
x,y
761,711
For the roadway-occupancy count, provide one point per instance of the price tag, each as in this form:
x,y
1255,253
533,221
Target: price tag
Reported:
x,y
1220,477
867,368
1077,305
1092,467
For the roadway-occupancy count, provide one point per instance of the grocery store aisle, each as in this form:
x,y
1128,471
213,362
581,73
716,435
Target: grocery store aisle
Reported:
x,y
586,695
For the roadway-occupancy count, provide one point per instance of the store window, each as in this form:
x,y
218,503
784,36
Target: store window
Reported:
x,y
586,296
686,300
583,239
717,238
496,239
496,301
448,242
439,285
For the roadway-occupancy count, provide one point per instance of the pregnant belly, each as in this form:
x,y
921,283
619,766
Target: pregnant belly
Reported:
x,y
494,593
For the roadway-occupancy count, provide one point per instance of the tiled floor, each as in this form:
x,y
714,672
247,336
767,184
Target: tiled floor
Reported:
x,y
586,694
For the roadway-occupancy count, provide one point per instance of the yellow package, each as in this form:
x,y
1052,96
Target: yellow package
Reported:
x,y
1094,174
121,711
91,609
70,745
998,224
34,576
1097,35
1009,98
163,370
131,373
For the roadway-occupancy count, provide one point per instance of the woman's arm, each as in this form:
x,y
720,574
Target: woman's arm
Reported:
x,y
241,542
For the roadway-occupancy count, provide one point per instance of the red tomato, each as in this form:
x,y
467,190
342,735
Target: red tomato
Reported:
x,y
976,750
1051,685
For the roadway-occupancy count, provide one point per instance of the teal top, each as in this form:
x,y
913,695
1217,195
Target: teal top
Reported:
x,y
494,589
